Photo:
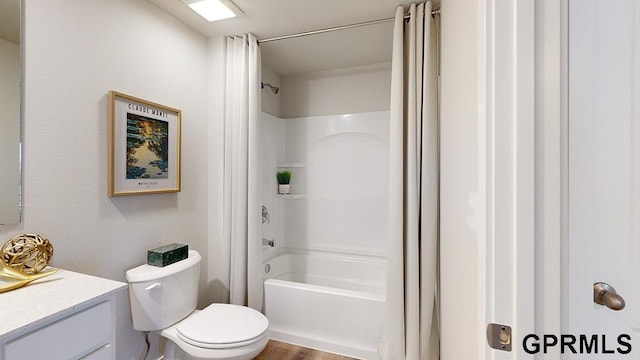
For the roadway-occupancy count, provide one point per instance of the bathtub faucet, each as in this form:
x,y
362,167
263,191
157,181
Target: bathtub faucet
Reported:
x,y
267,242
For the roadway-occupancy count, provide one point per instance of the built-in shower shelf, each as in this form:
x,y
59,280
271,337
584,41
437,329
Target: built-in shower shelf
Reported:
x,y
291,165
291,196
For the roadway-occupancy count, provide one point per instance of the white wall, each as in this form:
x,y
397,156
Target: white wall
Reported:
x,y
458,180
9,131
76,51
270,101
341,91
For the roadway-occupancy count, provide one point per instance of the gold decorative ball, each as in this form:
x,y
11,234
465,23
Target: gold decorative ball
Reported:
x,y
27,253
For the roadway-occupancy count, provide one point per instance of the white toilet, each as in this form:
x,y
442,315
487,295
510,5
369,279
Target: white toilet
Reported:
x,y
164,298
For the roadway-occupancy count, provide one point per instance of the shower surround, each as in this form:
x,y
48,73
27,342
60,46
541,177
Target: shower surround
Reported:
x,y
330,233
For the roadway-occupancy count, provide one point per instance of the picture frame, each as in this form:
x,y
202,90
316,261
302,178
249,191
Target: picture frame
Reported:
x,y
144,146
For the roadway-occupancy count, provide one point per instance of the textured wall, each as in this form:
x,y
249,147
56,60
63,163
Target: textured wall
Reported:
x,y
76,51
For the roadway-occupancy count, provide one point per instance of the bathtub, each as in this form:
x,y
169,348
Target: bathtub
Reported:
x,y
327,301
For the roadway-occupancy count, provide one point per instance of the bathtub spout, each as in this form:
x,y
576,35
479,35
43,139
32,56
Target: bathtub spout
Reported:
x,y
267,242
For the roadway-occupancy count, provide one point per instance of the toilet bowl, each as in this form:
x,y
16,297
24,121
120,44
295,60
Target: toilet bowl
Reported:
x,y
220,331
164,299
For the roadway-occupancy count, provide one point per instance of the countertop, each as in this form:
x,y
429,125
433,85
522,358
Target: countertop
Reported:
x,y
51,298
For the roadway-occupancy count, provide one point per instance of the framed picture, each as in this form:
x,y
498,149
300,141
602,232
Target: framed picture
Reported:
x,y
144,146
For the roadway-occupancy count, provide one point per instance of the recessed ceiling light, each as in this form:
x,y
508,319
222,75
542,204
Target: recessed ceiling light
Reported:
x,y
213,10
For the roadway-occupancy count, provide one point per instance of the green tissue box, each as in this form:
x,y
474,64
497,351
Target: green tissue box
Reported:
x,y
167,254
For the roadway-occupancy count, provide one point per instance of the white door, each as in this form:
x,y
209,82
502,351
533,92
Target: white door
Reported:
x,y
604,178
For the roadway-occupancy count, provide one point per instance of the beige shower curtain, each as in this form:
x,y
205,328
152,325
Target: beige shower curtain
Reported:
x,y
411,330
241,228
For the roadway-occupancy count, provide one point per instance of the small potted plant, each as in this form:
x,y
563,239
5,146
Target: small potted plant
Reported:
x,y
284,177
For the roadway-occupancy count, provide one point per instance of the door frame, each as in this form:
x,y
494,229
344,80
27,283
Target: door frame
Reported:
x,y
512,250
552,167
523,70
506,166
519,214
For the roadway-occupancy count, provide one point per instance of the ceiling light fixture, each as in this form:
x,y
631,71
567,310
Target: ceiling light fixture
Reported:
x,y
213,10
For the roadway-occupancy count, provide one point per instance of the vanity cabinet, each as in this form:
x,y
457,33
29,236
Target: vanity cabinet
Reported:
x,y
64,316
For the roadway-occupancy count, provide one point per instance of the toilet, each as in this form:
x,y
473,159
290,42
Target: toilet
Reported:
x,y
164,299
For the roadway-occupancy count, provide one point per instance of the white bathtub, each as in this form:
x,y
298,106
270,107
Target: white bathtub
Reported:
x,y
327,301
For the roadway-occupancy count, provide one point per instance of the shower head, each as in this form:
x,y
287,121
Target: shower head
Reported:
x,y
275,89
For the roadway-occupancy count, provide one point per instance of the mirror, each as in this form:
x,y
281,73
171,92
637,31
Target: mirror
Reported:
x,y
10,125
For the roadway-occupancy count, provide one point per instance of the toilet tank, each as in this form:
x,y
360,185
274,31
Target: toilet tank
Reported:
x,y
162,296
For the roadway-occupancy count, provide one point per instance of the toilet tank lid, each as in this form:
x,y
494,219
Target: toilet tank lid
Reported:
x,y
146,272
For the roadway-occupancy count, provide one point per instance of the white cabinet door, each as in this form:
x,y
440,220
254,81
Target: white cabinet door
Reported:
x,y
104,353
65,339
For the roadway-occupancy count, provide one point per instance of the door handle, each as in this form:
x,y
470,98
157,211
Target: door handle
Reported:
x,y
605,294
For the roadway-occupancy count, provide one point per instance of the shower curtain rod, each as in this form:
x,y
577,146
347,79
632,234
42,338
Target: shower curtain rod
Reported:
x,y
343,27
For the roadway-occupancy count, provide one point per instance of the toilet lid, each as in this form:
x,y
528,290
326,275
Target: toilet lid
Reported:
x,y
223,326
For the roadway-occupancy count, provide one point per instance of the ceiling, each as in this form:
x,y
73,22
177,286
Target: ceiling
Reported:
x,y
270,18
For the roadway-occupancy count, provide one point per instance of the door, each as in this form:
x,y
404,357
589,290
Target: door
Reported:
x,y
604,178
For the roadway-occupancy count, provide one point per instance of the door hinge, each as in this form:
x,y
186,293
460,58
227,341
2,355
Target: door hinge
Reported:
x,y
499,336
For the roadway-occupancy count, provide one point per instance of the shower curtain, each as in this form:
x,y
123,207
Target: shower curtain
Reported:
x,y
411,330
241,170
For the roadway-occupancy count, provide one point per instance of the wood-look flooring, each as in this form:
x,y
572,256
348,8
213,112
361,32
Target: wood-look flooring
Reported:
x,y
277,350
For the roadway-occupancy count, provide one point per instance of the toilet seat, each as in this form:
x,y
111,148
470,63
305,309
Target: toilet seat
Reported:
x,y
223,326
